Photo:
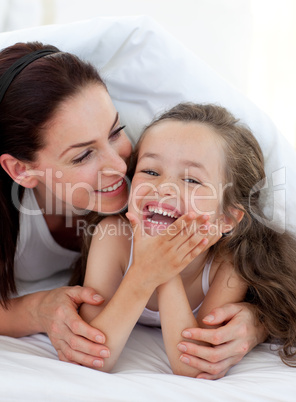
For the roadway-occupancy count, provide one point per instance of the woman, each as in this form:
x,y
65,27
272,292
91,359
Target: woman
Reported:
x,y
63,153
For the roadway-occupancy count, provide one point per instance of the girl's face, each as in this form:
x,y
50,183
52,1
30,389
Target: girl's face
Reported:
x,y
180,169
83,164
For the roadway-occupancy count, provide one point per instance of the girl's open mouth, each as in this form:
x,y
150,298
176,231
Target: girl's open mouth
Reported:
x,y
160,215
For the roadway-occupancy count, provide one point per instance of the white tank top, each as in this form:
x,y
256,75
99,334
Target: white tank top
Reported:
x,y
152,318
38,256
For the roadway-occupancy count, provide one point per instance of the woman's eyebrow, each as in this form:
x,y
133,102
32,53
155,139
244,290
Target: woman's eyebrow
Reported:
x,y
85,144
79,145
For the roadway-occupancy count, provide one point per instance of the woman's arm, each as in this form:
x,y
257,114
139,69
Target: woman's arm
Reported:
x,y
237,334
155,261
175,311
55,312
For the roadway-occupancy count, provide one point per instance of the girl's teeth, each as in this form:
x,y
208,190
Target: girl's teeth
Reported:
x,y
156,222
161,212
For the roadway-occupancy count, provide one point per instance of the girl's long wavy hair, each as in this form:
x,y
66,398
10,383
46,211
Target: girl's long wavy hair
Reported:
x,y
264,258
28,105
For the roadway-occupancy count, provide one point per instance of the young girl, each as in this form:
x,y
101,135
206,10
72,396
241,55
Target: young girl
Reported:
x,y
193,159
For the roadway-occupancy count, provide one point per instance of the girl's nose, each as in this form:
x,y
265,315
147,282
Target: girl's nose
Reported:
x,y
167,189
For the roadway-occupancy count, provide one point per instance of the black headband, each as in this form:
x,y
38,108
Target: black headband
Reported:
x,y
18,66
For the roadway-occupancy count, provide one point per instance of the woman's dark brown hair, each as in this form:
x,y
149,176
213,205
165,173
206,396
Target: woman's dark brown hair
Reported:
x,y
29,103
264,257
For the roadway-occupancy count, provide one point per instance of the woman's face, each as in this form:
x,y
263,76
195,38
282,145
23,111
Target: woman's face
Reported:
x,y
83,163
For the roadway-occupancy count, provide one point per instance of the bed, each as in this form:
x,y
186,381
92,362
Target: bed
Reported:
x,y
147,71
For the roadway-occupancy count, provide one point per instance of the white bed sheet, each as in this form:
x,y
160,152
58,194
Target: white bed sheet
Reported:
x,y
30,371
147,71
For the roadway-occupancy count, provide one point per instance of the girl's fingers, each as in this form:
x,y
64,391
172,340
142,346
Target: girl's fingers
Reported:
x,y
174,248
193,240
200,230
133,219
135,224
192,245
193,252
187,225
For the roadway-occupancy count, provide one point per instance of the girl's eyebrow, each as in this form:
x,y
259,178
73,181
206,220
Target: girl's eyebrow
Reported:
x,y
198,165
149,155
85,144
184,162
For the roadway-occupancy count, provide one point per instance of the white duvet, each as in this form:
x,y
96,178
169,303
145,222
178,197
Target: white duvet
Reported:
x,y
147,71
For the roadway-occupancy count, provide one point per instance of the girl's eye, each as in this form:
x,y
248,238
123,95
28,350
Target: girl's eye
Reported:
x,y
150,172
83,157
116,133
192,181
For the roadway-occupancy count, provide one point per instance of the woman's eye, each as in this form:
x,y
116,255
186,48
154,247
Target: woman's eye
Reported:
x,y
150,172
83,157
192,181
116,133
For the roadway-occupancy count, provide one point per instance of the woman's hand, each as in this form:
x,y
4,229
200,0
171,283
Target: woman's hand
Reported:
x,y
75,340
230,342
159,258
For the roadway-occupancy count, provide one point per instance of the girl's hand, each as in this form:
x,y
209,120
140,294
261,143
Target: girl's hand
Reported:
x,y
159,258
230,342
74,340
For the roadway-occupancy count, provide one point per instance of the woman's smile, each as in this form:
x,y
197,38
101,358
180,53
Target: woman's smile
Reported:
x,y
113,189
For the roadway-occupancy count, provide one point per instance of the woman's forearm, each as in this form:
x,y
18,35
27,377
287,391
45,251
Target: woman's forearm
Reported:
x,y
175,316
19,318
120,315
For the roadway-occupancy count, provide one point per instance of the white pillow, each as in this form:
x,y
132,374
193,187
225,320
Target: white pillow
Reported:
x,y
147,71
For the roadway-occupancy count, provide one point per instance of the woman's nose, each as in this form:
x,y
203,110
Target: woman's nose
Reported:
x,y
113,164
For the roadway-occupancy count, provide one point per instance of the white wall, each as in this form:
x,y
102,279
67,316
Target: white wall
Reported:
x,y
251,43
